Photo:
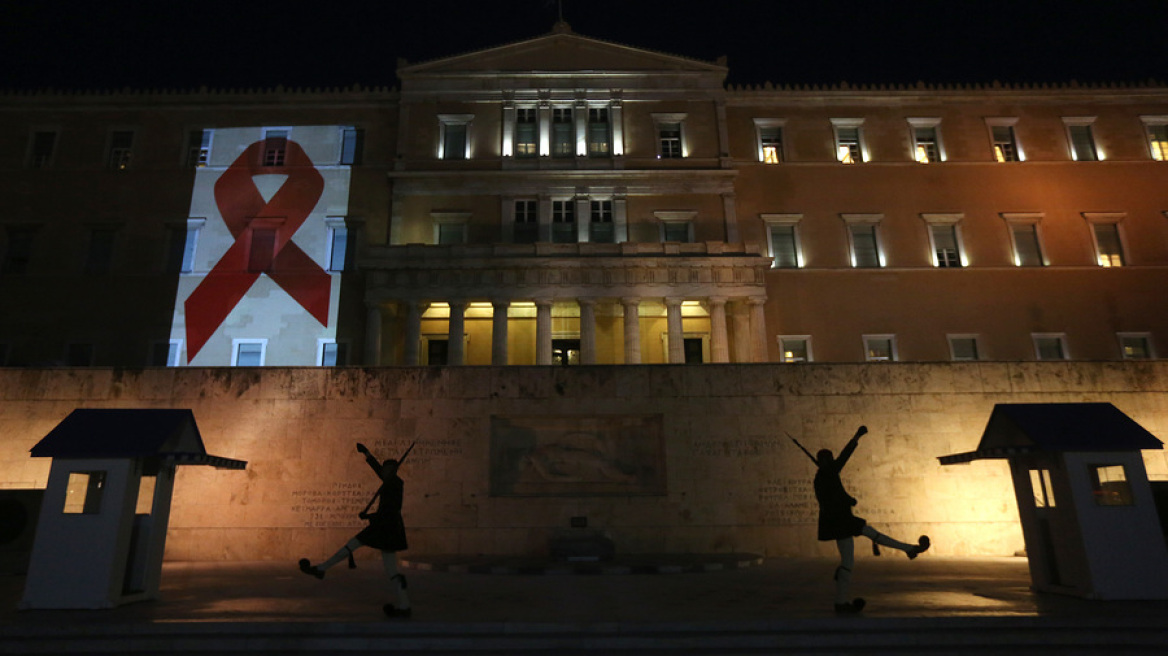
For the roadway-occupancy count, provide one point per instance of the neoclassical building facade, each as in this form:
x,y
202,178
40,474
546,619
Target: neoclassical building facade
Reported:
x,y
567,200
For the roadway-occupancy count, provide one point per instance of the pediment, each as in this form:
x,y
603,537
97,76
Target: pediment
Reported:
x,y
559,52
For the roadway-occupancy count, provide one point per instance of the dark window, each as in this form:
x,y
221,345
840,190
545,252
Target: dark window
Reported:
x,y
101,250
18,251
437,351
783,246
454,141
526,222
262,250
121,149
275,147
693,350
198,148
563,133
352,145
43,146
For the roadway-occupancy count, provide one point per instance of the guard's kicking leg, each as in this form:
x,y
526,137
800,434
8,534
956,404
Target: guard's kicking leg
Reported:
x,y
843,578
345,552
911,550
397,582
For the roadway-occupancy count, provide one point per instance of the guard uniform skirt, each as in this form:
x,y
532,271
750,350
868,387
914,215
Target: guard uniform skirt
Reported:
x,y
385,533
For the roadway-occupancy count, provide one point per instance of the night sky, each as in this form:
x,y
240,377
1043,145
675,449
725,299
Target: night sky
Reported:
x,y
250,43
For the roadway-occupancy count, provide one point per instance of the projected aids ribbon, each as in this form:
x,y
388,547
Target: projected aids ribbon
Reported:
x,y
263,243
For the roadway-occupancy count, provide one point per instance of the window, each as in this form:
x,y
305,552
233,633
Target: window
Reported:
x,y
926,139
563,132
331,353
1106,236
18,251
526,221
166,353
454,137
526,132
770,140
1050,346
182,241
600,228
99,257
564,221
599,132
783,240
880,348
795,348
121,149
566,352
848,144
42,146
261,249
275,147
352,145
676,226
1136,346
864,240
1025,240
436,349
248,352
945,239
79,354
1109,485
450,227
1041,488
1003,140
83,493
1082,139
670,136
1157,129
963,348
199,148
338,244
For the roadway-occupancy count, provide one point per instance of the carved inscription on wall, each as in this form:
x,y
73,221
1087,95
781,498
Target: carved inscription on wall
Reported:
x,y
788,501
738,447
333,507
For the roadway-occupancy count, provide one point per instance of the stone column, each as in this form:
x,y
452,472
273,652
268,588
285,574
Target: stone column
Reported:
x,y
758,331
372,335
740,324
587,331
499,332
719,346
457,333
414,310
632,330
543,331
676,337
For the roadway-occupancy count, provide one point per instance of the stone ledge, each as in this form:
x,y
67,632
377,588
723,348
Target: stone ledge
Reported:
x,y
621,564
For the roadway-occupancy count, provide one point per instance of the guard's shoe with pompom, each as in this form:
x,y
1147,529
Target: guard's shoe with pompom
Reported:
x,y
923,545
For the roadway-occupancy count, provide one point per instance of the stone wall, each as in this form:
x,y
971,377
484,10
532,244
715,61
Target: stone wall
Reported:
x,y
733,481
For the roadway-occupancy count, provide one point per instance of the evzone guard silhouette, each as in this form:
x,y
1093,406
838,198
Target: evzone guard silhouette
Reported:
x,y
386,531
836,521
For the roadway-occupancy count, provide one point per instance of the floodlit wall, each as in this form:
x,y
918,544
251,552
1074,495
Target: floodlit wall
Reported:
x,y
693,458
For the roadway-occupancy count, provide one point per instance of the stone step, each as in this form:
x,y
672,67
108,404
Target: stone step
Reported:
x,y
1064,636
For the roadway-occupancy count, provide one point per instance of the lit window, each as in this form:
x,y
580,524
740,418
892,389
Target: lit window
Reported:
x,y
1136,346
526,221
880,348
599,132
454,137
1040,486
99,257
42,147
770,139
847,144
1108,247
563,132
331,353
1082,139
864,240
795,348
564,222
121,149
963,347
1004,142
18,251
352,145
1109,485
1157,129
248,352
526,132
275,147
600,228
1024,237
783,240
83,493
946,245
670,135
199,148
1050,346
338,244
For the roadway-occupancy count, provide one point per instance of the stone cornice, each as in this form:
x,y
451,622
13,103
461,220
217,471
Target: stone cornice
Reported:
x,y
523,182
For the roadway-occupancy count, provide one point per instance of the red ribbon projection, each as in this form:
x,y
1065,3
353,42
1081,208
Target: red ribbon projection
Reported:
x,y
250,220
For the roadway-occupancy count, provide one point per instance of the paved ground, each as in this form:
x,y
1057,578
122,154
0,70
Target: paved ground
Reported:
x,y
776,589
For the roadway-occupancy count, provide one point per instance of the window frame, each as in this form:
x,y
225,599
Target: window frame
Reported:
x,y
198,155
856,124
99,255
1148,344
447,121
771,221
660,122
951,220
1010,122
241,341
17,261
778,124
919,123
342,349
32,161
174,348
124,154
893,350
441,219
1158,153
1062,341
1017,219
873,220
337,226
345,157
1094,221
676,218
1070,124
806,339
950,338
282,153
